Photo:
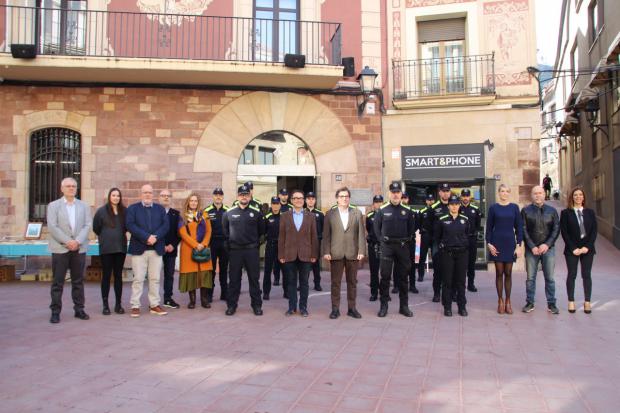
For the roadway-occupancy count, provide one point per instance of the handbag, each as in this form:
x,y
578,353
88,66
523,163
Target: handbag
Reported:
x,y
203,255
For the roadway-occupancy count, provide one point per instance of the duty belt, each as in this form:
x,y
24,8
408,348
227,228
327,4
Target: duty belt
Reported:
x,y
401,241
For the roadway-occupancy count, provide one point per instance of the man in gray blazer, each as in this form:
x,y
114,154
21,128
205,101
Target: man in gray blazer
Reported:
x,y
344,246
68,221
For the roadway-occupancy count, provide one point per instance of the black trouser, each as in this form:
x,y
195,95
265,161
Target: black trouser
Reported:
x,y
425,244
249,259
437,279
272,264
398,256
472,252
297,270
374,264
112,263
453,270
169,261
74,262
586,268
219,255
316,269
413,268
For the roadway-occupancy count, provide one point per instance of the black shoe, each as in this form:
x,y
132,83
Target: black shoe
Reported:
x,y
436,299
81,315
354,313
106,309
204,298
289,313
230,310
118,309
405,311
373,297
394,290
462,312
447,312
317,287
472,288
303,312
257,311
55,318
553,309
334,314
383,310
413,289
266,297
420,278
171,304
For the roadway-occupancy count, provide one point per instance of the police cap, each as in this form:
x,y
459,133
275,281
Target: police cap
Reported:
x,y
283,191
310,195
430,197
454,199
275,200
243,189
395,187
249,184
465,192
377,198
218,191
444,187
405,195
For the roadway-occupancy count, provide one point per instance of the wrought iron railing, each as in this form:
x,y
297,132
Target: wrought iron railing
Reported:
x,y
463,75
167,36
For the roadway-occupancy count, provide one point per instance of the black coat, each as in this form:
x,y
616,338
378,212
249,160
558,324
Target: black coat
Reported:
x,y
172,237
569,226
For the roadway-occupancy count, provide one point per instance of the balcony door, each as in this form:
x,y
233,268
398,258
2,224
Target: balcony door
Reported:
x,y
276,29
63,27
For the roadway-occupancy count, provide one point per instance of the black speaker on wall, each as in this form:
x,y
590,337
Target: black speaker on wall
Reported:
x,y
294,60
23,51
349,67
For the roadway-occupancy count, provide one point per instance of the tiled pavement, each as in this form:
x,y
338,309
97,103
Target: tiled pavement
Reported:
x,y
202,361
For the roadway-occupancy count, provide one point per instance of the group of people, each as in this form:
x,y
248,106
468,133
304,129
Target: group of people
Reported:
x,y
297,236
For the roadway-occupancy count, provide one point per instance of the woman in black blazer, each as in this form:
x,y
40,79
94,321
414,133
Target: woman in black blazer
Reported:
x,y
578,226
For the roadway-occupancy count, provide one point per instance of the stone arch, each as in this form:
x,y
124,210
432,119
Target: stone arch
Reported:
x,y
255,113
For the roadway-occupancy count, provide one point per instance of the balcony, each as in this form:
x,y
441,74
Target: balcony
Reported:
x,y
108,46
449,81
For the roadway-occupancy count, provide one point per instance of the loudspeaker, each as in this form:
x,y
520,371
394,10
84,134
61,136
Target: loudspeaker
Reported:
x,y
349,67
24,51
294,60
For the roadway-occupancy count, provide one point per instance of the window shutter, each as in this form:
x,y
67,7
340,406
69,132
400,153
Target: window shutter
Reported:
x,y
441,30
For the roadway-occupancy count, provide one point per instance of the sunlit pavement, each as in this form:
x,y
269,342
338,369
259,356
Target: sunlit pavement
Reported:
x,y
203,361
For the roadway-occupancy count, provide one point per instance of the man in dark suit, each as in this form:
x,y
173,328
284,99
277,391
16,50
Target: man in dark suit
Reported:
x,y
298,249
148,225
171,243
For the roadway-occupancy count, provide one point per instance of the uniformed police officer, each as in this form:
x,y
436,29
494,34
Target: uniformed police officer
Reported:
x,y
373,247
284,204
412,247
438,209
394,225
219,254
320,219
451,233
425,226
255,202
243,226
405,201
472,212
272,230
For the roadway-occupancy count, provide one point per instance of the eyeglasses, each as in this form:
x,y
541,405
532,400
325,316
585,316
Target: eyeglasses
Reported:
x,y
297,198
344,196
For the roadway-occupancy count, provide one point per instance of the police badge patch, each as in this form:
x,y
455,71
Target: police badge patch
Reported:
x,y
252,214
462,221
403,212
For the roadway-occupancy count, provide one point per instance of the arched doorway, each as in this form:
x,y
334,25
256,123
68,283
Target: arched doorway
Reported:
x,y
274,160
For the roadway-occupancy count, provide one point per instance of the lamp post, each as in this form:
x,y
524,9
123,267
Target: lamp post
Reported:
x,y
366,79
592,109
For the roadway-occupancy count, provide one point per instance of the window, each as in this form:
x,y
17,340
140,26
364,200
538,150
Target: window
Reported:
x,y
55,153
442,51
573,63
266,156
594,20
63,27
277,29
247,157
543,155
577,155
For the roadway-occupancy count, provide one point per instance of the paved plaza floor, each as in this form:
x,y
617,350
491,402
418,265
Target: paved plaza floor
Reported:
x,y
203,361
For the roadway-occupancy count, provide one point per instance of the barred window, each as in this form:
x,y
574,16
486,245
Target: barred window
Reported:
x,y
55,153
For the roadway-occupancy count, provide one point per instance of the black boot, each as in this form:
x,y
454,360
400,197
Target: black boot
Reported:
x,y
192,300
210,295
118,308
204,297
383,310
404,310
106,307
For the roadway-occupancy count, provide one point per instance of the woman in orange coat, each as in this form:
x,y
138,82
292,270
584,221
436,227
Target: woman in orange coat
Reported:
x,y
195,233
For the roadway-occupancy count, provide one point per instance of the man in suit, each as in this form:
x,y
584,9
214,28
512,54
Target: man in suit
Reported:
x,y
171,242
148,225
298,249
68,221
344,246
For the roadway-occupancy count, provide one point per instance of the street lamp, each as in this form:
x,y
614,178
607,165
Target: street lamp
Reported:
x,y
592,109
366,79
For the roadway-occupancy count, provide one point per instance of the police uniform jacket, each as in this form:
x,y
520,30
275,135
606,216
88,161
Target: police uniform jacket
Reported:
x,y
285,207
425,221
216,216
243,227
320,220
472,212
272,226
394,223
452,233
370,229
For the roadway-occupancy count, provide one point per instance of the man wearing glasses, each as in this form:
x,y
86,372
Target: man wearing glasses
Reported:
x,y
171,242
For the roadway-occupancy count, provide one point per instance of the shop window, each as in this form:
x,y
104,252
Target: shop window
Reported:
x,y
55,154
277,29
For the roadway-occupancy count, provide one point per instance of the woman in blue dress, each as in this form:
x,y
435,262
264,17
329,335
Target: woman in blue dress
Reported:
x,y
504,235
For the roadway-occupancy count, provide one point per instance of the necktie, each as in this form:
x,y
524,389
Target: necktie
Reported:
x,y
582,228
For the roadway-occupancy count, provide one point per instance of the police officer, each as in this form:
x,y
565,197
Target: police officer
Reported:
x,y
272,230
438,209
320,219
284,205
243,226
219,254
255,202
394,225
405,201
425,226
472,212
451,233
373,247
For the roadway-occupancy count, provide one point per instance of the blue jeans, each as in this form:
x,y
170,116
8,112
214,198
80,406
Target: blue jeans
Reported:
x,y
548,267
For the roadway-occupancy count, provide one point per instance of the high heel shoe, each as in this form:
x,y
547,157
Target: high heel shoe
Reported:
x,y
571,307
587,307
508,306
501,308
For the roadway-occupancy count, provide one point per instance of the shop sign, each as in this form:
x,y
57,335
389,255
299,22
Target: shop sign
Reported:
x,y
443,162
